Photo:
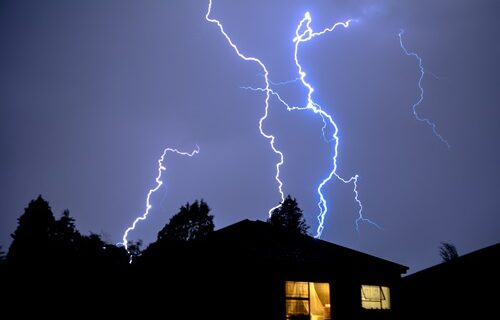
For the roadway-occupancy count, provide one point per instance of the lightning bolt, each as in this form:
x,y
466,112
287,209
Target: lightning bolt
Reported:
x,y
267,90
420,86
301,37
159,183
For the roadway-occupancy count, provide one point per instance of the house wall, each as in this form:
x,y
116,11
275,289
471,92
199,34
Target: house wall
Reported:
x,y
345,290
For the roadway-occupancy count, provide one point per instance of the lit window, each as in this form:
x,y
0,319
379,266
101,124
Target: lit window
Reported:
x,y
375,297
307,300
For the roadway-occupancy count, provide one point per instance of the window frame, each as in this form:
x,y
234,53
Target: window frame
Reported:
x,y
384,300
300,298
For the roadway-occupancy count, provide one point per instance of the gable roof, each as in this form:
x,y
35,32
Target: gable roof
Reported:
x,y
261,241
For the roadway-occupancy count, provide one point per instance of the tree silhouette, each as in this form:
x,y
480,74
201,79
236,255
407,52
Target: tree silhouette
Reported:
x,y
91,249
42,241
134,248
448,251
289,216
193,221
33,238
93,254
66,238
65,229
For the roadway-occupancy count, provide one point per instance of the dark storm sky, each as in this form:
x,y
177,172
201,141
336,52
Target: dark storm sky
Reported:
x,y
91,92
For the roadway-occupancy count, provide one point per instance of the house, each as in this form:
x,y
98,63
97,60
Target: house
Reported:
x,y
248,270
464,287
262,272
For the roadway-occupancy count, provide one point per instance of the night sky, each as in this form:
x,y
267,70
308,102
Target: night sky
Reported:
x,y
91,92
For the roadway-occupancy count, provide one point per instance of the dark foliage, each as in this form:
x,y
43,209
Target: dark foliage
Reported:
x,y
42,241
289,216
33,240
192,222
448,251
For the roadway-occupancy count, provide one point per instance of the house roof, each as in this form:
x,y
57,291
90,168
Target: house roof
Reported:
x,y
261,241
485,261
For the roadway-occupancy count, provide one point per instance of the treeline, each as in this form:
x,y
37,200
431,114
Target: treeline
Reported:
x,y
42,242
52,266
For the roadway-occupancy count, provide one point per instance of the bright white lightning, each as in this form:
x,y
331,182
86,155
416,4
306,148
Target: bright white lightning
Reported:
x,y
327,119
301,37
159,183
267,90
420,86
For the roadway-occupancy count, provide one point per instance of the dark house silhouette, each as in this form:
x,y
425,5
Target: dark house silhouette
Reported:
x,y
248,270
258,271
465,287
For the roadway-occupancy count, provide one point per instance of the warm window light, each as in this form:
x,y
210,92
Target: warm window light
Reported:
x,y
309,299
375,297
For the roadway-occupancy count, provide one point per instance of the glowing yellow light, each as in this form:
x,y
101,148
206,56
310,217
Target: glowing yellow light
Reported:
x,y
308,299
375,297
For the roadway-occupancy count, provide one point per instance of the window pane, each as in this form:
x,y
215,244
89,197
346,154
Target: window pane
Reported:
x,y
296,307
375,297
297,289
386,303
308,300
319,300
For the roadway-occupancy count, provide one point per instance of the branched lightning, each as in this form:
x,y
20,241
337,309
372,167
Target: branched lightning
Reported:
x,y
304,36
267,90
303,33
159,183
420,86
284,83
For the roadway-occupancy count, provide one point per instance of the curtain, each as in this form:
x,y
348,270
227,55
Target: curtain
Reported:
x,y
319,299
